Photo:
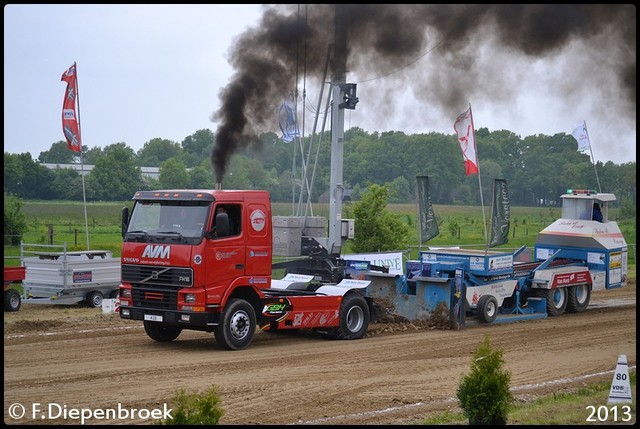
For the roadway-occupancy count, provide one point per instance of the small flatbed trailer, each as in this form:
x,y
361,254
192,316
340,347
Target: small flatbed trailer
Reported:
x,y
12,299
63,277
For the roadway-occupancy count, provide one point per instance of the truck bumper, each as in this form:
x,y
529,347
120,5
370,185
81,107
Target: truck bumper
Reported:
x,y
185,319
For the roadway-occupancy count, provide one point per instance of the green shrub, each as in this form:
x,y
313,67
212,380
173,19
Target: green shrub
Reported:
x,y
15,222
378,229
484,393
195,408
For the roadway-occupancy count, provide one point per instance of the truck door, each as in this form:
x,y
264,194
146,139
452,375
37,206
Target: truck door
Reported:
x,y
259,241
225,256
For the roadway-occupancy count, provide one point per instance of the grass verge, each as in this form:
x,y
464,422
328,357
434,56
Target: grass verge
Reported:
x,y
586,405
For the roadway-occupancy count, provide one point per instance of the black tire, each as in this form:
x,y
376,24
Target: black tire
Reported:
x,y
12,300
237,326
354,317
556,300
161,333
94,299
487,308
578,298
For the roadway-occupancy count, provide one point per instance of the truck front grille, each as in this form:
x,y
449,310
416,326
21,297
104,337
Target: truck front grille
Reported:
x,y
160,276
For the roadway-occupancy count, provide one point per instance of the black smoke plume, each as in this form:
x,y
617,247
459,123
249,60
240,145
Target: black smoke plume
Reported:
x,y
467,44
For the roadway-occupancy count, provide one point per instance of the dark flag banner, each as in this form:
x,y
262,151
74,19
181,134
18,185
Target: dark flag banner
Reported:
x,y
70,126
428,223
501,216
287,120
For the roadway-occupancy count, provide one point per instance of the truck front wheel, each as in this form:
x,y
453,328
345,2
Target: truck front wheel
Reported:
x,y
161,333
238,325
12,300
354,318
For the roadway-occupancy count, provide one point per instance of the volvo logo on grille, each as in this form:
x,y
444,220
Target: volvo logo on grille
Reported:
x,y
154,275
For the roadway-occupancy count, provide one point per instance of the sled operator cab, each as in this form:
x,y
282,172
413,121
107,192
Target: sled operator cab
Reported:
x,y
583,204
597,244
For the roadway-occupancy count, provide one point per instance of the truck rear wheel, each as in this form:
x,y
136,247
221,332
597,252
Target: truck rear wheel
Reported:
x,y
354,317
12,300
161,333
238,325
556,300
487,308
578,298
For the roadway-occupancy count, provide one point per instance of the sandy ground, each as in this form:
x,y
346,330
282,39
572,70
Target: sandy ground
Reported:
x,y
58,360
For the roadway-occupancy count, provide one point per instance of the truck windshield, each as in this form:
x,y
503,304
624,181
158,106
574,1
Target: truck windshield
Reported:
x,y
168,221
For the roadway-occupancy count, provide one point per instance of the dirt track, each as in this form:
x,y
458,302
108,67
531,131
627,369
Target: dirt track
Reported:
x,y
79,358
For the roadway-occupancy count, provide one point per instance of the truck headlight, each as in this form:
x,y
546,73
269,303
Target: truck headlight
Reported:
x,y
125,293
191,298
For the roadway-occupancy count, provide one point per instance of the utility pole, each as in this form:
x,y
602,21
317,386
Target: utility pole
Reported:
x,y
343,98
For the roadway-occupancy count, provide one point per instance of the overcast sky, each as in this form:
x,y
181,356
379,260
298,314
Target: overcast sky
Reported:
x,y
155,71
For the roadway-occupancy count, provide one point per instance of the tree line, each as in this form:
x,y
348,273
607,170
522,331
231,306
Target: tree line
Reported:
x,y
537,168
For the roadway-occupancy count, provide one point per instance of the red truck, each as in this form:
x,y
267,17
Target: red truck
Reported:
x,y
187,264
12,300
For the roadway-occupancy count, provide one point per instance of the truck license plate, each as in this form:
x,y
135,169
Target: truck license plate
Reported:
x,y
153,318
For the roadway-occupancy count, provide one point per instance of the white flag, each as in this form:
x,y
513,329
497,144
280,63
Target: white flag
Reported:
x,y
581,135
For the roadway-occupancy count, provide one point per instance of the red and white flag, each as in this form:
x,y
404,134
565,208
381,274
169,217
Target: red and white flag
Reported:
x,y
467,139
70,127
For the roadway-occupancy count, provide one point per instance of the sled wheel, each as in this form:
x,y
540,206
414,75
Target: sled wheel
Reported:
x,y
556,301
578,298
487,308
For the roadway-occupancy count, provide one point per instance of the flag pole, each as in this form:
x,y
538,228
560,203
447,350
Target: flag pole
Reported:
x,y
84,195
484,218
418,214
592,159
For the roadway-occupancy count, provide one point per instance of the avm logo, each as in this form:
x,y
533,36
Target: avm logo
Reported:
x,y
152,251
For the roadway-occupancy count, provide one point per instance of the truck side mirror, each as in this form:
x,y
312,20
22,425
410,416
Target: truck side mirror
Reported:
x,y
125,220
222,225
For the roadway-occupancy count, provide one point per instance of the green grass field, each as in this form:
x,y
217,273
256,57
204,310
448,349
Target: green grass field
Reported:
x,y
458,225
